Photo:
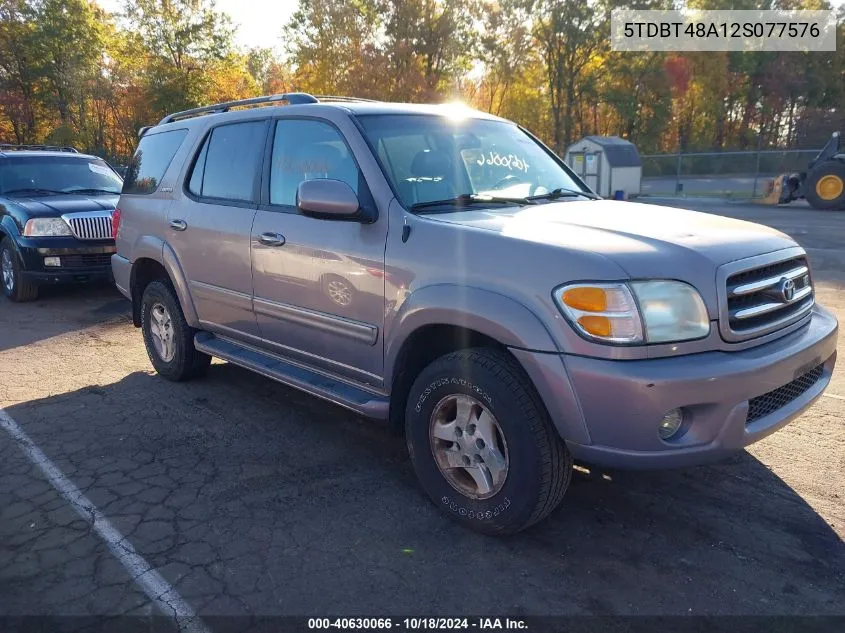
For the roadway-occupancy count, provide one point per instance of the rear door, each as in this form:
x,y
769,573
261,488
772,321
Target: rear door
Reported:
x,y
210,226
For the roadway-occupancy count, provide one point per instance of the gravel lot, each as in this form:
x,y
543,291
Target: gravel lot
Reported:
x,y
250,498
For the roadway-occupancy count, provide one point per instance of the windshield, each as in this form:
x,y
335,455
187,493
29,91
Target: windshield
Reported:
x,y
429,158
49,175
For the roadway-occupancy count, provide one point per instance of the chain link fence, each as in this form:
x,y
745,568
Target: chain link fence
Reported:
x,y
719,174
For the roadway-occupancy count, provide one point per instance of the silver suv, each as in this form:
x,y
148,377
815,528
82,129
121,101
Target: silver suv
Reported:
x,y
442,269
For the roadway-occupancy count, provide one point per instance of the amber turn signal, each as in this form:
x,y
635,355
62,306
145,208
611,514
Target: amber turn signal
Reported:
x,y
596,325
586,298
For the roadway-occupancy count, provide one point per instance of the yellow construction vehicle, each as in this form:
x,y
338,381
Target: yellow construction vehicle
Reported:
x,y
822,185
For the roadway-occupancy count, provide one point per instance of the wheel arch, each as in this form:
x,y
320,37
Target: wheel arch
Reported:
x,y
438,320
8,227
155,260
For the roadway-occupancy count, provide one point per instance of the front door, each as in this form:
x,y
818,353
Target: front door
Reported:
x,y
211,225
318,284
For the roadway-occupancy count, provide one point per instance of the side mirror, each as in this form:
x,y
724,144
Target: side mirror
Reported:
x,y
326,198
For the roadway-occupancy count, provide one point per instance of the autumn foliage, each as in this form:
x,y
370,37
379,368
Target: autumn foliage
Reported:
x,y
70,73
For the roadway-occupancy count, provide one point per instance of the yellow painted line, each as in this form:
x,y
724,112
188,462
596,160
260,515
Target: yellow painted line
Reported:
x,y
833,395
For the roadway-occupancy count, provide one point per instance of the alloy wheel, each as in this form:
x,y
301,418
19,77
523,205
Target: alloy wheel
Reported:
x,y
468,446
8,271
161,330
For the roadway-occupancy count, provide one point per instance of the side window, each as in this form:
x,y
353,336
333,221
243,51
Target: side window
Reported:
x,y
151,160
304,150
229,161
195,184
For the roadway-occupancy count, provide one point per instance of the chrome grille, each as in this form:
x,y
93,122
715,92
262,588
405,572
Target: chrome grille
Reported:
x,y
766,298
90,226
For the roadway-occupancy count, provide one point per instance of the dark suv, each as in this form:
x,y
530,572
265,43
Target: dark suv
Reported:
x,y
55,218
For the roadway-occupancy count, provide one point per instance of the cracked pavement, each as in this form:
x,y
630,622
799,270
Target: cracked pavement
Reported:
x,y
250,498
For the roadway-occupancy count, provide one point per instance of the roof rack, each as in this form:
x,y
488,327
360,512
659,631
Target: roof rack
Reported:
x,y
293,98
344,99
49,148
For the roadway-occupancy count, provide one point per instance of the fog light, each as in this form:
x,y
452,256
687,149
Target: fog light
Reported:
x,y
52,261
670,424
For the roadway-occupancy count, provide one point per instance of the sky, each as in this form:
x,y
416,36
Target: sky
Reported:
x,y
258,22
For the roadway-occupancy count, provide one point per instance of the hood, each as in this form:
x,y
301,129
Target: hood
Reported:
x,y
646,241
635,236
52,206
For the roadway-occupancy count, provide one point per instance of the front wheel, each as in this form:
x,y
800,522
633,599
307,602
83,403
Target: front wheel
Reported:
x,y
482,444
168,337
15,286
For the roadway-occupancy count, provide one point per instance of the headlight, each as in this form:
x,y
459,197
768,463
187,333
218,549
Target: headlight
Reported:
x,y
640,312
671,311
46,227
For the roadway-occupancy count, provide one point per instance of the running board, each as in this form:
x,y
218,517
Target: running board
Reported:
x,y
346,395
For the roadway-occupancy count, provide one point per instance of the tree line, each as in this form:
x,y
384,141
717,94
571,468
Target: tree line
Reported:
x,y
73,74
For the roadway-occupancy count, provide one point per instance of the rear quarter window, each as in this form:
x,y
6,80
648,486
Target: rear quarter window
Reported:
x,y
151,160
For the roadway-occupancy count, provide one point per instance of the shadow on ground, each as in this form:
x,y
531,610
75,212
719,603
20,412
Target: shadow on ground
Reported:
x,y
252,498
59,310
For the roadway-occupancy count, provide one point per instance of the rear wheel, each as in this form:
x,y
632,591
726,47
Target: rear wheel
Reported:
x,y
15,286
825,186
482,444
168,337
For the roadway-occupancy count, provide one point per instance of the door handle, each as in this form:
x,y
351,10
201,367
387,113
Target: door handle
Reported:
x,y
178,225
271,239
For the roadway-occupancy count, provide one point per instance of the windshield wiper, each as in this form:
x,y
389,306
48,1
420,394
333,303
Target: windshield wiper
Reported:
x,y
94,191
562,192
467,199
35,190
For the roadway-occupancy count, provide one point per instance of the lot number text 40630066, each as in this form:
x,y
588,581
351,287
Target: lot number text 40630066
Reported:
x,y
419,624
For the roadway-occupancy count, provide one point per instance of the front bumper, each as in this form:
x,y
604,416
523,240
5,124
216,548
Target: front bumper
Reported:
x,y
609,411
81,261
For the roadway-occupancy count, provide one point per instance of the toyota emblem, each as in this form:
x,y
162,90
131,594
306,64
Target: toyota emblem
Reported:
x,y
787,290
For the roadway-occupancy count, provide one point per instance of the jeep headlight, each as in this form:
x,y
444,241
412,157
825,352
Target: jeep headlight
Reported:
x,y
635,313
46,227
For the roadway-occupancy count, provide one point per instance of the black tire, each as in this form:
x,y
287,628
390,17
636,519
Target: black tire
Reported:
x,y
186,362
540,466
831,170
21,289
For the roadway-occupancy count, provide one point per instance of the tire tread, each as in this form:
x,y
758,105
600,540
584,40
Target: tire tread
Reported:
x,y
556,461
24,290
194,363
